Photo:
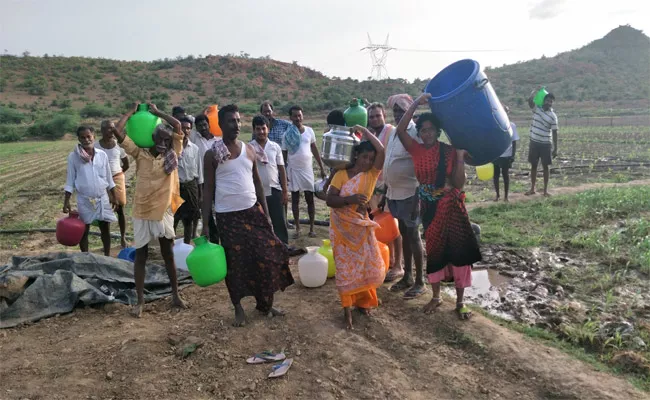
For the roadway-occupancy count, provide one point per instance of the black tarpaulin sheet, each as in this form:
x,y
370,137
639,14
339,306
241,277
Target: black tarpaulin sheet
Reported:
x,y
60,282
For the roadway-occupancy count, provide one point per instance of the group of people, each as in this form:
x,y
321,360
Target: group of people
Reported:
x,y
240,192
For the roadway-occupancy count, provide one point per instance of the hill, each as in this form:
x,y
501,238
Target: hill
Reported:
x,y
609,73
612,72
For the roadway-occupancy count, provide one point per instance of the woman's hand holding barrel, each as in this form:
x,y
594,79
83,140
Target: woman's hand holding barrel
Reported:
x,y
423,99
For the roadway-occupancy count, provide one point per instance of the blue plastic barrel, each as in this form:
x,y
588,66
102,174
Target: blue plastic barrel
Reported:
x,y
469,111
127,253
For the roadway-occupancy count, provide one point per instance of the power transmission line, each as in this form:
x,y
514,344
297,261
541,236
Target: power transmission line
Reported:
x,y
379,55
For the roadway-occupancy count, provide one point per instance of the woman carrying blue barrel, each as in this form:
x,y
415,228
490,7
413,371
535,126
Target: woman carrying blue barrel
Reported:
x,y
451,245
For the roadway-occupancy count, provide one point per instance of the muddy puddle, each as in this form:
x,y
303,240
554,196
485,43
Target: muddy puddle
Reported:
x,y
523,285
488,288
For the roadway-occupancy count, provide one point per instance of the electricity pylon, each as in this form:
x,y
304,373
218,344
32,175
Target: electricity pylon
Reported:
x,y
378,54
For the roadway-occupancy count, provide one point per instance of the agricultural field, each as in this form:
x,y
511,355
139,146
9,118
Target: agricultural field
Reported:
x,y
32,174
591,154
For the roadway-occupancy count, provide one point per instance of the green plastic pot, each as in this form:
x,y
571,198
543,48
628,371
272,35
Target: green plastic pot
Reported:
x,y
141,125
207,262
326,250
539,97
356,114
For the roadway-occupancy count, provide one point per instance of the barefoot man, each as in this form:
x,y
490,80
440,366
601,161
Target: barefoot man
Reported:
x,y
189,174
90,175
258,262
156,198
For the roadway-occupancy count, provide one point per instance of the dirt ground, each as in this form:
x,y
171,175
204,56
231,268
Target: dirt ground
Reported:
x,y
397,353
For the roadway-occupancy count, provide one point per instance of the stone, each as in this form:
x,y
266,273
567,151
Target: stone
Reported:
x,y
559,291
609,329
541,291
574,306
511,273
109,375
638,343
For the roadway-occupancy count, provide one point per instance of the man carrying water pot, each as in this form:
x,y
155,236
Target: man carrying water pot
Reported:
x,y
403,203
156,198
543,139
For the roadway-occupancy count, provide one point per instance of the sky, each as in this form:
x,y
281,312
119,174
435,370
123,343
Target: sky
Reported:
x,y
325,36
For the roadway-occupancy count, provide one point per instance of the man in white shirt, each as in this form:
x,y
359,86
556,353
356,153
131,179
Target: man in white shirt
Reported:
x,y
300,170
189,176
89,174
270,165
204,140
542,130
377,125
504,162
119,163
403,203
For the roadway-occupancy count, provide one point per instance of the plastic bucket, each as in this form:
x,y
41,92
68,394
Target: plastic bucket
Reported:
x,y
469,111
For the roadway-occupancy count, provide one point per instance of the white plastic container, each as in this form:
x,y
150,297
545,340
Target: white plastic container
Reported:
x,y
181,250
312,268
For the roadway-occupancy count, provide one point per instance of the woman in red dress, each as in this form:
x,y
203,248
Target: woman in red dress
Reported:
x,y
451,246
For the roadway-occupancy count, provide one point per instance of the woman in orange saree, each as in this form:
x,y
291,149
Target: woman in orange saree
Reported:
x,y
360,268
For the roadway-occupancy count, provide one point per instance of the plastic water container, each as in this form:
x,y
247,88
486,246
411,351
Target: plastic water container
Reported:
x,y
540,96
127,254
181,251
469,111
356,114
327,251
388,228
485,172
207,262
312,268
213,119
141,125
70,230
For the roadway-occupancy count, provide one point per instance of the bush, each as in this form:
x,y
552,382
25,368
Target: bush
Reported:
x,y
11,133
10,116
54,128
94,110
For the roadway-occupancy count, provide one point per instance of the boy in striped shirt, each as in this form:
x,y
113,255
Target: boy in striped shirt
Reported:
x,y
543,139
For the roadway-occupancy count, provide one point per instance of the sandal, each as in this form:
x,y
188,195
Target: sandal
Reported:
x,y
266,356
464,313
393,274
415,292
312,234
281,369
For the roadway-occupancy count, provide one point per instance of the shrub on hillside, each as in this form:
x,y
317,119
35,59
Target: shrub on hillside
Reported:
x,y
94,110
11,133
10,116
55,127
